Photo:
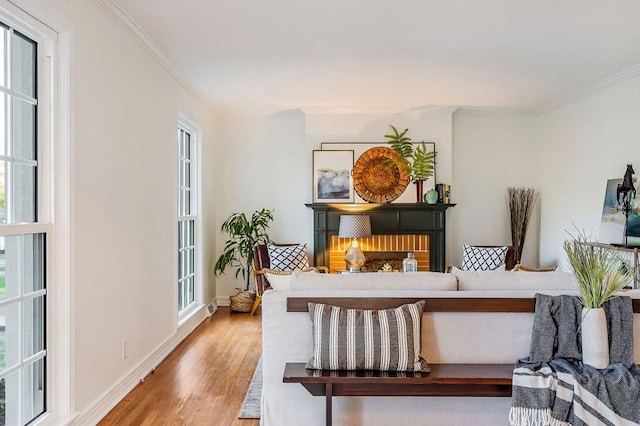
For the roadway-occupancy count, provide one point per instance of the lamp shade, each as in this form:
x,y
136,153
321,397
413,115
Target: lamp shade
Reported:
x,y
354,226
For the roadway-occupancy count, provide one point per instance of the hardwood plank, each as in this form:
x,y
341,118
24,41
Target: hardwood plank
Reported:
x,y
203,381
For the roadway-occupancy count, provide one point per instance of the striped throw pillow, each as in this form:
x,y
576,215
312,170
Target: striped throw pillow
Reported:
x,y
361,339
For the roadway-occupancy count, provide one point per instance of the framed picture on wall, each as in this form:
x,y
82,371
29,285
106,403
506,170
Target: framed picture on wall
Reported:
x,y
612,229
332,180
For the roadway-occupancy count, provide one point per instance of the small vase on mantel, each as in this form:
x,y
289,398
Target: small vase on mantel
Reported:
x,y
419,187
595,342
431,196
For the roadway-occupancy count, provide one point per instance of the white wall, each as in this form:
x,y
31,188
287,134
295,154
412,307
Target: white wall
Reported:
x,y
124,115
584,143
268,161
492,152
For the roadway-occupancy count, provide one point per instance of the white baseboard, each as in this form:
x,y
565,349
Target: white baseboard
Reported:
x,y
223,301
105,403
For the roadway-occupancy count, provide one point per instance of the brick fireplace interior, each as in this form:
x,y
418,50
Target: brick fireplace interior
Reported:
x,y
380,250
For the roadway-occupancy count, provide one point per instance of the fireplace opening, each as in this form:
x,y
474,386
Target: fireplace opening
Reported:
x,y
381,250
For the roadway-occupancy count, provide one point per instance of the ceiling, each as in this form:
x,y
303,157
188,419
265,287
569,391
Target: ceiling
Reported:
x,y
392,53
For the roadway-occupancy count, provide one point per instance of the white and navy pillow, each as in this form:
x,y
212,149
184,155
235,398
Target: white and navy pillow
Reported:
x,y
288,258
362,339
483,258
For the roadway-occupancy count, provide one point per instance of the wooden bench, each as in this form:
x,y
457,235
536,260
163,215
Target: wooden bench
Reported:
x,y
466,380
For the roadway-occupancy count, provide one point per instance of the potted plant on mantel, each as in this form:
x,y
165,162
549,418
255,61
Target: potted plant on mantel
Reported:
x,y
599,273
244,235
417,161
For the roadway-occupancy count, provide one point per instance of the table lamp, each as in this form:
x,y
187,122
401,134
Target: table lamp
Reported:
x,y
354,226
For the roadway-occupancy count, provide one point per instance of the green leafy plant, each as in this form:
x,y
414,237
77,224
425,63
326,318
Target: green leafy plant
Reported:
x,y
244,235
417,161
599,271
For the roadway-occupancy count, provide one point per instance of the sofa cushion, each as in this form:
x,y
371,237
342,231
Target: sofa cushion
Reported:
x,y
281,280
483,258
363,339
435,281
288,258
508,280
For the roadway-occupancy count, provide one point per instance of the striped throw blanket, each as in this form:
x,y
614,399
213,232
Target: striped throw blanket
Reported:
x,y
553,387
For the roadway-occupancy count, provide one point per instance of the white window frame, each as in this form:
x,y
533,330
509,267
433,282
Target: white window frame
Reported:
x,y
46,40
44,24
195,216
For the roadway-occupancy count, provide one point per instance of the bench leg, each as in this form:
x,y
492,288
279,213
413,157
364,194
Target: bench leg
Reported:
x,y
328,399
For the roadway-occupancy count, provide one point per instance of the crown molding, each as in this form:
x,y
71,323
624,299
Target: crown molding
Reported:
x,y
612,80
386,110
143,39
490,111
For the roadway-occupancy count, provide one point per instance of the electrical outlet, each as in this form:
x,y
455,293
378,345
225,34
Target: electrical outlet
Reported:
x,y
124,349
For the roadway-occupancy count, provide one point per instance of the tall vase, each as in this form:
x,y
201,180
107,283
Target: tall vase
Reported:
x,y
595,342
419,185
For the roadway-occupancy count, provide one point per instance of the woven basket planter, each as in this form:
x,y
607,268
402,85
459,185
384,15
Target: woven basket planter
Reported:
x,y
242,302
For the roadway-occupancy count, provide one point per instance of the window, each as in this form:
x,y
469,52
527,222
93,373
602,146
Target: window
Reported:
x,y
188,276
25,229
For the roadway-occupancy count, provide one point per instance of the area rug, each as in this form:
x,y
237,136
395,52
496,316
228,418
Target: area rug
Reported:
x,y
251,406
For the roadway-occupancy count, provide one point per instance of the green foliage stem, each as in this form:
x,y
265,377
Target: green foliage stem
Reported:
x,y
417,162
244,235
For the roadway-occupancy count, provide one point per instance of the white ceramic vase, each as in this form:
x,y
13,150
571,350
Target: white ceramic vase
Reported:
x,y
595,342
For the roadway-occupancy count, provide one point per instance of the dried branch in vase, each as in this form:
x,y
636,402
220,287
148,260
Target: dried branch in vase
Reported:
x,y
520,202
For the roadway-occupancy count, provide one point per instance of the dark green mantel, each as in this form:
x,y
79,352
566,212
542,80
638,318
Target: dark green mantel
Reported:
x,y
391,218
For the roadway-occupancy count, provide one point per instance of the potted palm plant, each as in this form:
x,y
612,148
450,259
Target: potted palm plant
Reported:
x,y
599,273
244,234
417,161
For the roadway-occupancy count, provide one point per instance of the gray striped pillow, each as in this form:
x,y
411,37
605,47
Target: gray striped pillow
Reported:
x,y
360,339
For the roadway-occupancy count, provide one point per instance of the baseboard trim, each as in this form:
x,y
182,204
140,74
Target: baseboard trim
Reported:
x,y
223,301
105,403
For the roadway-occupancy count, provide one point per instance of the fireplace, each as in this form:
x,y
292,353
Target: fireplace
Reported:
x,y
397,229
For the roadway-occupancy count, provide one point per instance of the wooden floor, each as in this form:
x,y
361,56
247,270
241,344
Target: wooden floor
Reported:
x,y
203,382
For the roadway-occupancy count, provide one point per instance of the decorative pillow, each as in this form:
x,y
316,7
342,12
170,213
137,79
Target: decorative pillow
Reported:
x,y
483,258
502,268
524,268
288,258
362,339
281,280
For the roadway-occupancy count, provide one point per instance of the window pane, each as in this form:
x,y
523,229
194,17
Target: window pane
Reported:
x,y
187,174
24,130
23,193
33,262
9,336
4,39
9,399
33,326
24,65
3,192
33,391
187,146
9,286
4,107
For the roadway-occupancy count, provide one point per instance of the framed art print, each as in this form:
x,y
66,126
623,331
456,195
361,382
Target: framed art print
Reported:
x,y
332,180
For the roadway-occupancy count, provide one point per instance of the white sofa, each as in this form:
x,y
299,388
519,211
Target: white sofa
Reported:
x,y
446,338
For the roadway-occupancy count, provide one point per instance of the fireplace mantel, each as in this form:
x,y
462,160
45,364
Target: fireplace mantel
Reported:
x,y
391,218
